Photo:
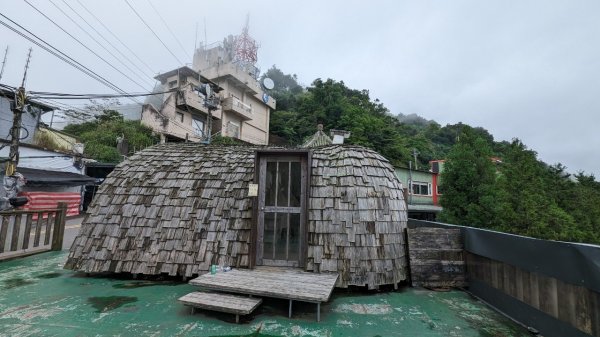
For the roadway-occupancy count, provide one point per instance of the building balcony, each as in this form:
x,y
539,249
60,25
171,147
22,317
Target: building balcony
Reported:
x,y
232,104
195,102
236,75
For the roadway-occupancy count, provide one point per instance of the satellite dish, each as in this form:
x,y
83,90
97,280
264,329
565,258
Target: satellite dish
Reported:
x,y
268,83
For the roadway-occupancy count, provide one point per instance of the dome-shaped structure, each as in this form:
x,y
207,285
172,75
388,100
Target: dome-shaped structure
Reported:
x,y
178,208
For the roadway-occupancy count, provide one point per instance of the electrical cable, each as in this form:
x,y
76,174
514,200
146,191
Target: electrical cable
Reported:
x,y
153,32
82,44
143,78
107,41
115,36
168,28
41,94
59,54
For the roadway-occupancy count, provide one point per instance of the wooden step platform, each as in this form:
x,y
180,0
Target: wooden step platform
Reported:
x,y
233,304
290,284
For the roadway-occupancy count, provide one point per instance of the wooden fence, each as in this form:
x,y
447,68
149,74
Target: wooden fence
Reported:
x,y
29,232
551,286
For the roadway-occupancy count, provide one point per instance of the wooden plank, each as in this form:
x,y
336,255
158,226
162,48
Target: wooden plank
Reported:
x,y
280,283
548,295
566,302
48,229
38,229
22,253
27,231
595,312
3,231
16,228
584,310
233,304
59,224
535,290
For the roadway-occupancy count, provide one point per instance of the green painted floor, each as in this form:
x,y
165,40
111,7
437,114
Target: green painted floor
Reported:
x,y
39,298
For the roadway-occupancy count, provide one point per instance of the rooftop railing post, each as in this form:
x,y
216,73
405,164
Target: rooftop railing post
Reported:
x,y
59,226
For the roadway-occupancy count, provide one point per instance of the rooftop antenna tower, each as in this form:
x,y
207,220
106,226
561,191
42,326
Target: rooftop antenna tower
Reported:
x,y
245,49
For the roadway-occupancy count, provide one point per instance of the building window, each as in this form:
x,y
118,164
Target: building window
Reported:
x,y
439,189
198,126
179,116
233,130
172,84
420,188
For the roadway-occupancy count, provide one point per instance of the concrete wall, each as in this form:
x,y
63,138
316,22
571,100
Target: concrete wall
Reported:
x,y
403,175
64,141
29,121
216,64
44,160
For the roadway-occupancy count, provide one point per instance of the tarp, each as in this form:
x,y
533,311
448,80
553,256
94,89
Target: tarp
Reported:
x,y
50,200
54,178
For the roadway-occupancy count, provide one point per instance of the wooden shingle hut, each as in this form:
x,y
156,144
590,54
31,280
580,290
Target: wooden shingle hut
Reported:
x,y
179,208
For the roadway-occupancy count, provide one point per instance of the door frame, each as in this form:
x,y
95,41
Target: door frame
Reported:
x,y
254,235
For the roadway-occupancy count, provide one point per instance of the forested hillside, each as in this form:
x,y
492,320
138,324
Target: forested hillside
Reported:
x,y
519,194
336,106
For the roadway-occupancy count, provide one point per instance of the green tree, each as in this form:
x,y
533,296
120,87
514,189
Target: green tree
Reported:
x,y
529,205
469,183
100,136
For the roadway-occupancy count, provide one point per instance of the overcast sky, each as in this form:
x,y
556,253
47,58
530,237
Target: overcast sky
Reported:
x,y
526,69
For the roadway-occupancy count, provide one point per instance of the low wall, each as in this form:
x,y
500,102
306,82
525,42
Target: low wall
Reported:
x,y
436,257
551,286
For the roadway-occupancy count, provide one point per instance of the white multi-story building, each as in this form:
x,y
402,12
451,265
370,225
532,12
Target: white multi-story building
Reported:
x,y
244,109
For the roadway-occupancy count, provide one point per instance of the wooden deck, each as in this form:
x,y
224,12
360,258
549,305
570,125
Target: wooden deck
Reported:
x,y
284,283
271,282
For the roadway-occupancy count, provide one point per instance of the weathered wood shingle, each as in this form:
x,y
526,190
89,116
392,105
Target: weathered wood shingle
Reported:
x,y
178,208
356,217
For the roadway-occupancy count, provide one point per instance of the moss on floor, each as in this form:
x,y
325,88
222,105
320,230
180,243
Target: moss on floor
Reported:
x,y
39,298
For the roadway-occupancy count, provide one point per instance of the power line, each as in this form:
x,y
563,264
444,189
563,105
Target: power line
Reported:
x,y
42,94
115,36
153,32
169,29
83,44
143,78
59,54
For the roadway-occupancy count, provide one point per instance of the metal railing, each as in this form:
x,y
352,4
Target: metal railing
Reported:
x,y
241,105
25,233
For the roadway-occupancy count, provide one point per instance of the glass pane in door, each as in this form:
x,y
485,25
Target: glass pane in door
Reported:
x,y
283,179
269,235
295,184
294,237
281,237
270,183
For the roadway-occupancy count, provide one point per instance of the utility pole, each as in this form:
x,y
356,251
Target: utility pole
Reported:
x,y
19,106
3,62
415,152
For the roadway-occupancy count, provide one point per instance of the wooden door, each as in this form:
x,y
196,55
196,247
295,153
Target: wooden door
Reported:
x,y
281,214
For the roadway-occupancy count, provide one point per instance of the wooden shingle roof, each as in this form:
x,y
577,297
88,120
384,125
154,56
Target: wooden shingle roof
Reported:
x,y
178,208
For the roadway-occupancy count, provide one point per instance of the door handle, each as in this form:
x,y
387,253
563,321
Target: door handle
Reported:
x,y
262,208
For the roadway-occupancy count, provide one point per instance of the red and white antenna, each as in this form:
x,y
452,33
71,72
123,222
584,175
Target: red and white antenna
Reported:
x,y
245,47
